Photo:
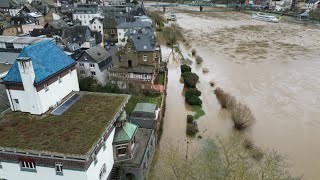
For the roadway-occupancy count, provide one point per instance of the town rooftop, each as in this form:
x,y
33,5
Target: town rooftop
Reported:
x,y
74,133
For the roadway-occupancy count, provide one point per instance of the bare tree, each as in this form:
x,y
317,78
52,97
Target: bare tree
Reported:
x,y
242,116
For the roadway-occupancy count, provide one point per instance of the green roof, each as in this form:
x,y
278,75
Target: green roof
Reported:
x,y
145,107
125,133
74,132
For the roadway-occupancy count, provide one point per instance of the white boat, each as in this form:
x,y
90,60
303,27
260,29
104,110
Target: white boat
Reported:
x,y
263,17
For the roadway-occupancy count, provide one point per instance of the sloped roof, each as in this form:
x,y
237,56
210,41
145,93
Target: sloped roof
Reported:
x,y
47,59
134,24
125,133
109,23
98,53
4,3
142,43
145,107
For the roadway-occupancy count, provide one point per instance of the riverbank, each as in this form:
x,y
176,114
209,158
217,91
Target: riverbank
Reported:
x,y
273,68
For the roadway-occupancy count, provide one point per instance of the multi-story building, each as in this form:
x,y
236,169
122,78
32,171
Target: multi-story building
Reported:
x,y
76,145
96,24
131,28
14,43
40,78
95,62
85,15
139,60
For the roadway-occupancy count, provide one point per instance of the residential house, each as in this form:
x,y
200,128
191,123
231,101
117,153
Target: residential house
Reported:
x,y
84,153
21,24
48,32
96,24
40,78
138,62
14,43
85,15
130,27
80,35
110,33
96,62
133,149
145,115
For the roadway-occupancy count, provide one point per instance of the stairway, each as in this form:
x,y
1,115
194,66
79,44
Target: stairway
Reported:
x,y
114,173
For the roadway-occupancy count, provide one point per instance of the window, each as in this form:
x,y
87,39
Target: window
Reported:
x,y
27,165
103,171
45,87
144,57
81,64
58,167
84,21
59,79
93,73
80,16
16,101
112,31
91,65
122,150
94,27
99,27
94,22
82,72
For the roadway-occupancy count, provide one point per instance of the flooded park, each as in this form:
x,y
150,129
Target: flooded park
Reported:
x,y
274,68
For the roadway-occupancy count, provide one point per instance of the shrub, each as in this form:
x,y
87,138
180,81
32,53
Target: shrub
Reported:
x,y
192,129
194,52
242,116
199,59
193,100
189,119
212,83
190,79
192,92
185,68
205,70
199,137
226,100
86,83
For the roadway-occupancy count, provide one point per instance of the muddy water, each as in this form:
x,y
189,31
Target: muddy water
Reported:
x,y
273,68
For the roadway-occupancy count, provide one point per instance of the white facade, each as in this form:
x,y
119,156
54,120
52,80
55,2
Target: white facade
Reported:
x,y
85,18
12,171
14,12
29,100
96,25
86,69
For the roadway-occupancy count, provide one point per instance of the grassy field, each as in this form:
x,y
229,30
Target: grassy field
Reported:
x,y
74,132
155,99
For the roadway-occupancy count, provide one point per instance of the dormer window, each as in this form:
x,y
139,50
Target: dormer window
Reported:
x,y
58,167
45,87
59,79
27,165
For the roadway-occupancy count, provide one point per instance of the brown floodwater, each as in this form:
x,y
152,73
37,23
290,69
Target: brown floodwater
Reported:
x,y
273,68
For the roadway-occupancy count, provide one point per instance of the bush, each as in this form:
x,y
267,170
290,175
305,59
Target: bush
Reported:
x,y
205,70
192,92
199,59
190,79
86,83
192,129
193,100
226,100
242,116
194,52
189,119
185,68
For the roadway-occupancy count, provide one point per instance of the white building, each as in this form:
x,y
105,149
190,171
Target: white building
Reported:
x,y
96,24
85,15
58,163
127,28
14,11
15,42
95,62
40,78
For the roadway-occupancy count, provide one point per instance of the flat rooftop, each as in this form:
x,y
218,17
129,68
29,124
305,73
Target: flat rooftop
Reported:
x,y
73,133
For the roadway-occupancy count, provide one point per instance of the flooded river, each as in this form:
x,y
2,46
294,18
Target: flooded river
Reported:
x,y
273,68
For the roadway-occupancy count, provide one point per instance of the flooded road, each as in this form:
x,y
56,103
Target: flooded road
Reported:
x,y
273,68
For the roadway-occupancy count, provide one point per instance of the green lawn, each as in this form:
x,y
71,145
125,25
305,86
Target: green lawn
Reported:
x,y
74,132
156,99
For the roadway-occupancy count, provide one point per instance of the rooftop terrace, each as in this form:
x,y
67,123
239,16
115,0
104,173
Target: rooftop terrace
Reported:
x,y
74,133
